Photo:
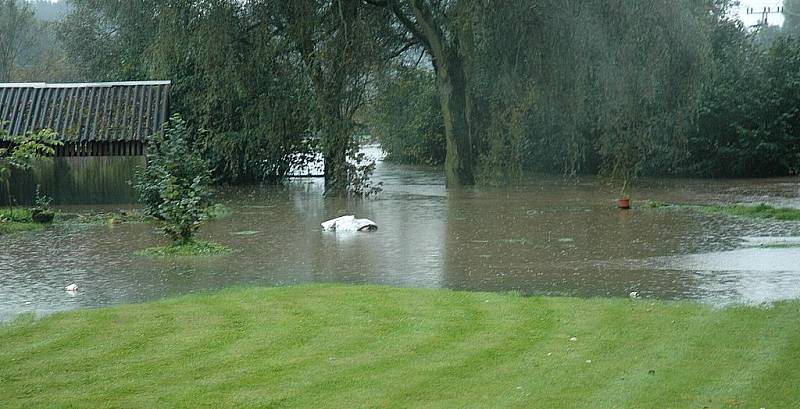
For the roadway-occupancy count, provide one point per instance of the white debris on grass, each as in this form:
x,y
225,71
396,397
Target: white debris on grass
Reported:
x,y
349,224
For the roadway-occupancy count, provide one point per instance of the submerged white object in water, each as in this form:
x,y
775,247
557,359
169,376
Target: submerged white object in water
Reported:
x,y
71,288
349,223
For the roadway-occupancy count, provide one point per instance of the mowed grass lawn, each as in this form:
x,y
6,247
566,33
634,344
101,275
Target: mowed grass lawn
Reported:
x,y
351,347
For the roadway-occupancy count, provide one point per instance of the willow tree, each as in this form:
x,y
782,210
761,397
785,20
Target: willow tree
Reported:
x,y
109,39
341,44
445,30
582,85
16,23
234,75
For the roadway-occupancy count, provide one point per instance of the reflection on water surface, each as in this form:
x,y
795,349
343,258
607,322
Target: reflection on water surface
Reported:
x,y
549,236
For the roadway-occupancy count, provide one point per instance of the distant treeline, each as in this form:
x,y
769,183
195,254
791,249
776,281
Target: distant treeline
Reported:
x,y
489,90
29,45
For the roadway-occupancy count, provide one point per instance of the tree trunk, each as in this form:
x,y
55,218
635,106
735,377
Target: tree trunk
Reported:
x,y
335,148
451,62
454,99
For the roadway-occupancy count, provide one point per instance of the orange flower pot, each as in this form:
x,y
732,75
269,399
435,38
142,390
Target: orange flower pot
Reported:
x,y
624,203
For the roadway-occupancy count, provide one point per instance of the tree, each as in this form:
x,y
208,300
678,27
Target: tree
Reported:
x,y
20,153
174,186
445,30
108,39
237,81
341,44
561,86
406,117
16,23
791,10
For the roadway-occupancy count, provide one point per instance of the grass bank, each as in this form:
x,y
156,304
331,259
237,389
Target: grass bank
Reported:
x,y
759,211
335,347
756,211
15,220
19,219
189,249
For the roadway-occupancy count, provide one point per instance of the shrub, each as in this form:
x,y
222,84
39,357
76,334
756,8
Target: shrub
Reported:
x,y
174,186
22,151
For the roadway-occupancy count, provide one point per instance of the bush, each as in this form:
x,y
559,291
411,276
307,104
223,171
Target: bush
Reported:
x,y
175,184
22,151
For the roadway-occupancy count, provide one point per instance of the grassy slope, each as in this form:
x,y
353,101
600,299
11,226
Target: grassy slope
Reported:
x,y
380,347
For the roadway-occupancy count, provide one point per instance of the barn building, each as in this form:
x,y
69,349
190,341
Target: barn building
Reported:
x,y
104,128
92,119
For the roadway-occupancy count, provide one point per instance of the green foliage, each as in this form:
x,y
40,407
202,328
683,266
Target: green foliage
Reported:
x,y
25,149
29,48
42,202
106,40
250,156
340,45
16,22
406,117
233,75
570,88
21,151
748,123
174,186
13,214
359,175
191,248
15,220
791,24
656,87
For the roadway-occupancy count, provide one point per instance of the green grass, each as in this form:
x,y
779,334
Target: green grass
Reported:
x,y
655,204
190,249
759,211
15,214
100,218
17,227
16,220
352,347
19,219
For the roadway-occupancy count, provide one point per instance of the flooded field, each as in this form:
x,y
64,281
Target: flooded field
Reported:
x,y
549,237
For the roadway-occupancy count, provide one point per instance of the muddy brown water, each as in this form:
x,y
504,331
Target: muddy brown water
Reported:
x,y
548,237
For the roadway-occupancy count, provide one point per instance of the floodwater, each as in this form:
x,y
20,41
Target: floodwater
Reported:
x,y
548,237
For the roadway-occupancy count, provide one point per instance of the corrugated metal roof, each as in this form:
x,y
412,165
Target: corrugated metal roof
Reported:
x,y
92,112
